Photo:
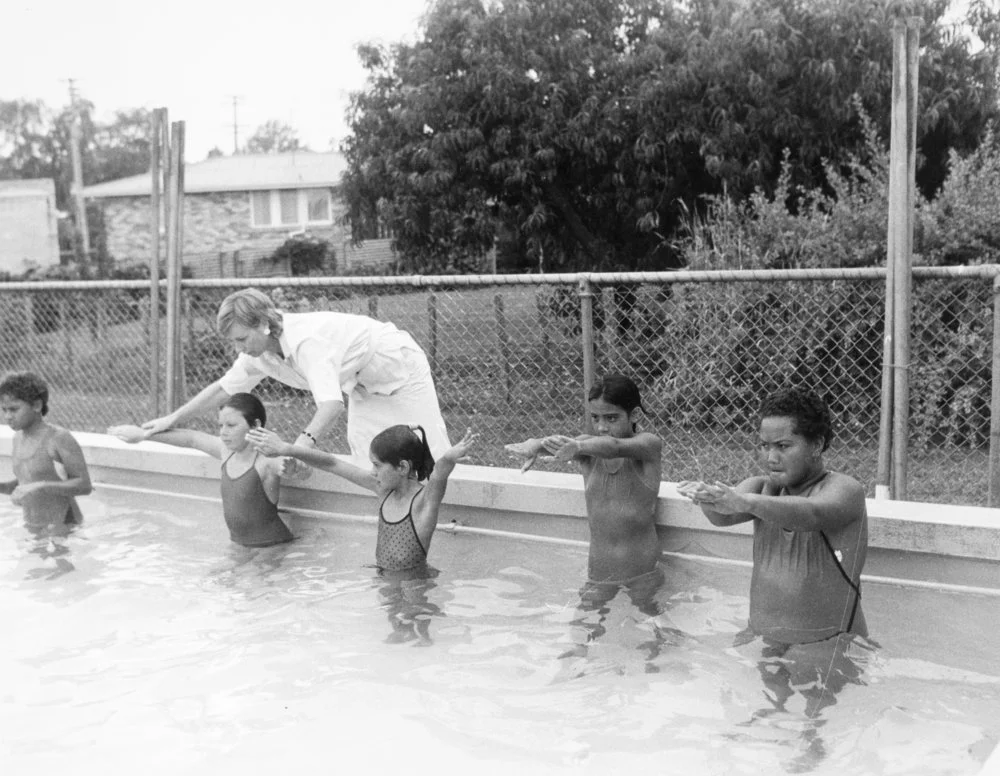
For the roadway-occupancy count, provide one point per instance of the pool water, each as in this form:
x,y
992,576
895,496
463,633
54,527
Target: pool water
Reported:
x,y
144,641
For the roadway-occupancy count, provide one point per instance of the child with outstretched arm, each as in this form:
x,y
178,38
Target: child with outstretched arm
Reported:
x,y
409,482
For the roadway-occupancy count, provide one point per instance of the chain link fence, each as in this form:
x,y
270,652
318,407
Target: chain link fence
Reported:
x,y
511,356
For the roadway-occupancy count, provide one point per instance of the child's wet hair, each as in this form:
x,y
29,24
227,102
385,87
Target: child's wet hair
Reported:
x,y
402,443
617,389
27,387
810,414
249,406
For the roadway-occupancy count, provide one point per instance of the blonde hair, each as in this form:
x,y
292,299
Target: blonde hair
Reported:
x,y
249,308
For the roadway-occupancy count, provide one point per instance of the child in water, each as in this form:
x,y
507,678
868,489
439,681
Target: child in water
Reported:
x,y
621,479
621,476
250,482
47,498
404,474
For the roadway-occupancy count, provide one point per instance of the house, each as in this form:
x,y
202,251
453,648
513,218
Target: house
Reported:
x,y
237,210
29,234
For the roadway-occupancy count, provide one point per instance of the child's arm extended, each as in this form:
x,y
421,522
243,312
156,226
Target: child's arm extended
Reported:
x,y
437,483
66,450
178,437
527,451
644,447
270,444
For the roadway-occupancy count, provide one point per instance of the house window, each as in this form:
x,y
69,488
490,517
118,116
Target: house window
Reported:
x,y
318,204
261,206
290,208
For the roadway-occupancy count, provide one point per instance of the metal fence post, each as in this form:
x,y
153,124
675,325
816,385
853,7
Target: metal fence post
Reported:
x,y
586,293
543,328
993,499
503,341
432,329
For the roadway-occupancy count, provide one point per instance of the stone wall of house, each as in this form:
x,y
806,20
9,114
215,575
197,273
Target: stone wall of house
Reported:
x,y
213,223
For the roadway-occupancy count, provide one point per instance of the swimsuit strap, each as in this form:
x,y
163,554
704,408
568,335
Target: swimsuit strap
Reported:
x,y
856,588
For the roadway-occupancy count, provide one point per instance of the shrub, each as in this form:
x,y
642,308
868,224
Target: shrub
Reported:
x,y
305,254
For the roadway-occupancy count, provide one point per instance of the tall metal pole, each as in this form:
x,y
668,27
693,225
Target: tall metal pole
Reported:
x,y
904,258
586,291
902,167
994,494
157,120
175,236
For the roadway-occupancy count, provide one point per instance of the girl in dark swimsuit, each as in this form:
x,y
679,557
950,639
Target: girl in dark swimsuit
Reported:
x,y
250,482
401,464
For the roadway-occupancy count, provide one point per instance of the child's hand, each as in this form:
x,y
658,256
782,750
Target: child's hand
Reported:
x,y
128,433
461,448
294,469
562,448
718,497
689,488
21,492
527,451
267,443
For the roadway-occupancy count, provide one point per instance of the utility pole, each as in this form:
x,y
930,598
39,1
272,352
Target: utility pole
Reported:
x,y
236,125
76,137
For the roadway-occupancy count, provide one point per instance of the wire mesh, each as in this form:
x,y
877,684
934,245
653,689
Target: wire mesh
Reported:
x,y
507,359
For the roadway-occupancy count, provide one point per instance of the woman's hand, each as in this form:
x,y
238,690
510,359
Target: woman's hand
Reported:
x,y
526,451
268,443
128,433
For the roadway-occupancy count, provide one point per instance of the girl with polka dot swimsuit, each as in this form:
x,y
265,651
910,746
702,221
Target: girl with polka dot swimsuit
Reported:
x,y
404,474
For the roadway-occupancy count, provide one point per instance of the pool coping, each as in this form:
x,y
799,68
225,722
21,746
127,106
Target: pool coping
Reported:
x,y
510,500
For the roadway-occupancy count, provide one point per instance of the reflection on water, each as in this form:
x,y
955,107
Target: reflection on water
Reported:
x,y
160,646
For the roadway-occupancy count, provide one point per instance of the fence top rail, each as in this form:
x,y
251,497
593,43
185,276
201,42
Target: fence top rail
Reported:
x,y
985,271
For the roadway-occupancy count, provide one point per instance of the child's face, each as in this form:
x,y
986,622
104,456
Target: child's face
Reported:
x,y
233,428
19,414
610,419
388,477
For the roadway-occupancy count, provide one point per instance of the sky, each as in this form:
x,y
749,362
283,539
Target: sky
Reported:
x,y
290,60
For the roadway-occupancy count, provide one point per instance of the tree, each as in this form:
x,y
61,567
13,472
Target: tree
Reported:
x,y
587,128
35,142
120,147
274,137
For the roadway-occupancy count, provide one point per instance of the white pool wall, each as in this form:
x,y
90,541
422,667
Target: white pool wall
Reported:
x,y
538,502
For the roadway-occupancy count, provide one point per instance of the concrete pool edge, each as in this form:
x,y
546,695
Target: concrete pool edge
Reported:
x,y
957,544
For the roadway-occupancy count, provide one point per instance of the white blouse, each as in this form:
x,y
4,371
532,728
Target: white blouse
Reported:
x,y
329,354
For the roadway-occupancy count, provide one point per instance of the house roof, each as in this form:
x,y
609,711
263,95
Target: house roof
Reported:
x,y
244,172
28,187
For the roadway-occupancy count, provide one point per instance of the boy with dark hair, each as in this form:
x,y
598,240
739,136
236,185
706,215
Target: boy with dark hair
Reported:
x,y
46,495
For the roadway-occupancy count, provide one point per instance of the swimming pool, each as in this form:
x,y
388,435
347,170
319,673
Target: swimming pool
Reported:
x,y
146,641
